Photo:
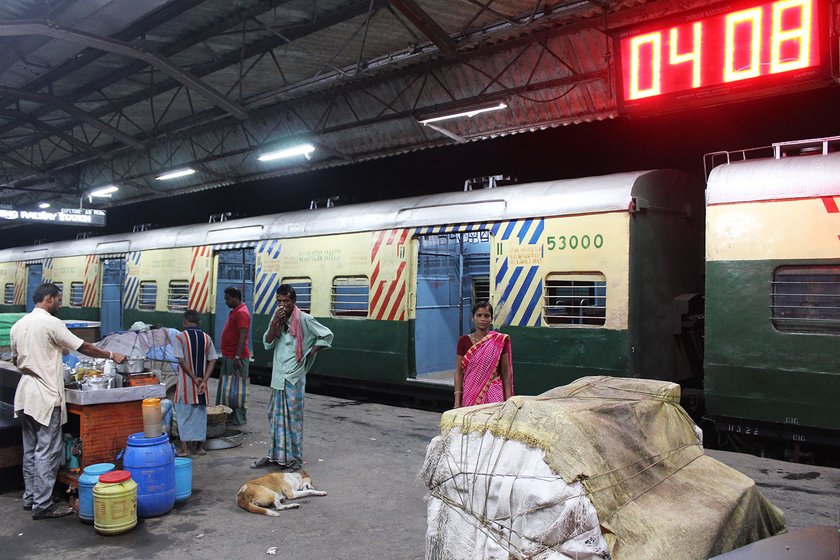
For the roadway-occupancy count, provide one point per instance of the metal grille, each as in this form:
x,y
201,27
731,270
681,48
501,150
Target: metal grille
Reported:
x,y
179,295
303,292
481,289
575,299
350,296
9,294
807,299
77,292
148,296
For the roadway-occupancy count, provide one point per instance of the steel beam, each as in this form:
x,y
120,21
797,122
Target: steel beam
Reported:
x,y
70,109
55,31
426,24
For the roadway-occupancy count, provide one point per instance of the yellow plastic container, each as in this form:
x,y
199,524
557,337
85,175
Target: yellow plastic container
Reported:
x,y
115,503
152,418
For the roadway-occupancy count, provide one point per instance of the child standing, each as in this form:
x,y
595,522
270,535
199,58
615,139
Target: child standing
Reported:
x,y
196,360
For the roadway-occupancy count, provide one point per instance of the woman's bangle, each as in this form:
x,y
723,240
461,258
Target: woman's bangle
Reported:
x,y
457,392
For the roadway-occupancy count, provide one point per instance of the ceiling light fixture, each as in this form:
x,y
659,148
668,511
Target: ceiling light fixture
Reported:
x,y
104,192
467,113
43,205
175,174
301,150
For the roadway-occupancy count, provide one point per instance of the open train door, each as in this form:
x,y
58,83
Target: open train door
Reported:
x,y
33,280
453,272
235,268
113,282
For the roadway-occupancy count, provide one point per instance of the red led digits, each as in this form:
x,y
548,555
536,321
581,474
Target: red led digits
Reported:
x,y
762,40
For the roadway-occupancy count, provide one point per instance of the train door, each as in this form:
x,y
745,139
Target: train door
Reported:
x,y
33,280
236,268
453,272
111,309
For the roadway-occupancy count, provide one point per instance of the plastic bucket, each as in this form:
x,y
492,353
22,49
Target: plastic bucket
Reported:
x,y
151,462
152,418
87,480
115,503
183,478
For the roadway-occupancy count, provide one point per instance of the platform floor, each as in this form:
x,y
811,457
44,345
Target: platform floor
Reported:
x,y
367,457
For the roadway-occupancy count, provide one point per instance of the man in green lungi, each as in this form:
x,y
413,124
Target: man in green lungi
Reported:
x,y
295,337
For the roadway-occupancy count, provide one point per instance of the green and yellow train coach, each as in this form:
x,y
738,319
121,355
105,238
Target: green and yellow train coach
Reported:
x,y
773,295
584,275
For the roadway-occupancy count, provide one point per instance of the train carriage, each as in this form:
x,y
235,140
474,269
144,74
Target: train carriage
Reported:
x,y
773,296
586,275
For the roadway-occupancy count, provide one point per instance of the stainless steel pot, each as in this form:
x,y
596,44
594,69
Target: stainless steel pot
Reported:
x,y
96,383
131,365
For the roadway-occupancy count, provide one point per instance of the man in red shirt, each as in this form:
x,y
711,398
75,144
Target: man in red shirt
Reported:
x,y
233,378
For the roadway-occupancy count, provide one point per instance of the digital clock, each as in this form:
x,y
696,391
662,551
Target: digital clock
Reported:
x,y
724,50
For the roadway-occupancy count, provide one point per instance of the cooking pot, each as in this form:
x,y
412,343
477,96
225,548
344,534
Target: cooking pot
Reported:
x,y
96,383
131,365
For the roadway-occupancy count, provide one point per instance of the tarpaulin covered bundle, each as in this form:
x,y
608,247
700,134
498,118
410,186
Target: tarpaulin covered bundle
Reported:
x,y
6,322
601,468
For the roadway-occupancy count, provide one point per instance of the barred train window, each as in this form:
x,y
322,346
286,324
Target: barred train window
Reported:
x,y
77,292
303,292
349,296
9,295
575,298
148,296
806,299
481,288
179,295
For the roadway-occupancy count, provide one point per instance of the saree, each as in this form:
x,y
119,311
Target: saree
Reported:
x,y
482,383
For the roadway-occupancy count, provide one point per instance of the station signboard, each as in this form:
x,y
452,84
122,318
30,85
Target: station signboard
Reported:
x,y
724,52
65,216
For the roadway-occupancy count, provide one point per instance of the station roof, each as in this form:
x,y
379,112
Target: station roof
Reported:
x,y
117,92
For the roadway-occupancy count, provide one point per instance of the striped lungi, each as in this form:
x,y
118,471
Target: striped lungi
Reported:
x,y
232,390
285,424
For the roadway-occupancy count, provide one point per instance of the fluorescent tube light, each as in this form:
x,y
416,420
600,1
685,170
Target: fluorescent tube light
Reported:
x,y
104,192
175,174
468,113
301,150
43,205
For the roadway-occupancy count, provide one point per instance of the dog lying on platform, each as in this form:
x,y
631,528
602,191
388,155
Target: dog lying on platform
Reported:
x,y
259,494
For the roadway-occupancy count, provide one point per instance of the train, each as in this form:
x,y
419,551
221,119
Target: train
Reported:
x,y
728,286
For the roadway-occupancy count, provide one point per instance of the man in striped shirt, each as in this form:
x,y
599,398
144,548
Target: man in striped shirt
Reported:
x,y
196,360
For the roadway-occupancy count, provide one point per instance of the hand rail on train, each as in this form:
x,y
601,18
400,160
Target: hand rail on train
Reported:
x,y
776,150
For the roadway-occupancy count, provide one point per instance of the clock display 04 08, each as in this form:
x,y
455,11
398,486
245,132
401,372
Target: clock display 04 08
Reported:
x,y
752,43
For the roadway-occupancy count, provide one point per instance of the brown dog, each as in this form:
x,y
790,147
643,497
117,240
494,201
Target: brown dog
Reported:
x,y
259,494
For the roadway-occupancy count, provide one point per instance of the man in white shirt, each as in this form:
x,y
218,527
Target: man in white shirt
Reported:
x,y
37,341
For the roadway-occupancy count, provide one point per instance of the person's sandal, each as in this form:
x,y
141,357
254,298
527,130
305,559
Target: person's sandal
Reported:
x,y
260,463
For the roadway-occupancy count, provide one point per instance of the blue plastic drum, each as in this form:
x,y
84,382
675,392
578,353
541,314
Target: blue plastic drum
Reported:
x,y
87,480
151,462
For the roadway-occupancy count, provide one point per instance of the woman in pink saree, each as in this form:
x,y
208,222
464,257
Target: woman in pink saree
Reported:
x,y
483,365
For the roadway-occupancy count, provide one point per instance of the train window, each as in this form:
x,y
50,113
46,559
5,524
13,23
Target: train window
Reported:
x,y
148,296
806,299
481,288
578,298
76,294
179,295
303,292
349,296
9,294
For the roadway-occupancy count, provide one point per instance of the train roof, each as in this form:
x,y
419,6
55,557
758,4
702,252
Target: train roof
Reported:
x,y
803,176
551,198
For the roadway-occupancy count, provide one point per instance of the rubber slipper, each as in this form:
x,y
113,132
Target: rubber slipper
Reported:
x,y
260,463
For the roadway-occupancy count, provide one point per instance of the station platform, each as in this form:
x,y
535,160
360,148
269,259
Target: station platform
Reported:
x,y
367,457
